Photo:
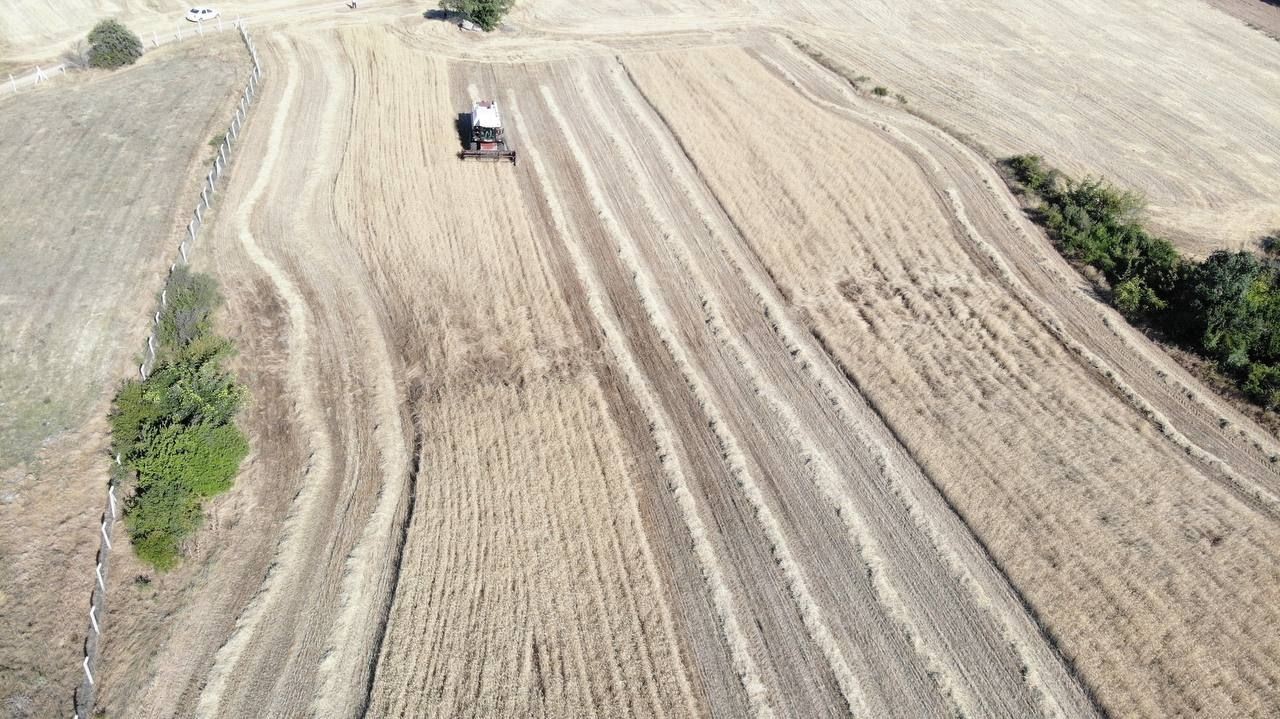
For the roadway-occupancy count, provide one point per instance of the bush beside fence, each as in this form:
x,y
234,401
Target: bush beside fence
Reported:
x,y
40,74
86,693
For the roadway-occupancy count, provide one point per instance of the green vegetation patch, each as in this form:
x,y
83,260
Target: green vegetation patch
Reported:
x,y
113,45
487,14
175,431
1225,308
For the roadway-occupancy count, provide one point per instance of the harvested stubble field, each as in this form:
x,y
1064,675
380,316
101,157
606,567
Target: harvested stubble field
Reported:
x,y
92,208
1175,99
1263,15
743,394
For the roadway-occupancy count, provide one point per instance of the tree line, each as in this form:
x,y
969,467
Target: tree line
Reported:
x,y
1225,307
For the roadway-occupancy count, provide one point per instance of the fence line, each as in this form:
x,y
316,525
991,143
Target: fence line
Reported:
x,y
39,75
85,695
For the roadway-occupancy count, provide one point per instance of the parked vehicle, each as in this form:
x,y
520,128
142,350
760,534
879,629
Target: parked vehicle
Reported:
x,y
200,14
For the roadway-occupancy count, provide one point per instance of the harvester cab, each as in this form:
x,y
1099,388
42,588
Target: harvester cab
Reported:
x,y
487,140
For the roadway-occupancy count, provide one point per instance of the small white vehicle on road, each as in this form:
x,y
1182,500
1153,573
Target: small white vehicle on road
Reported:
x,y
200,14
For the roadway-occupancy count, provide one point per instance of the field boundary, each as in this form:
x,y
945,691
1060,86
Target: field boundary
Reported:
x,y
86,693
40,74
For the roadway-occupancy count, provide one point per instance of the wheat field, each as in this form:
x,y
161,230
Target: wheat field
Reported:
x,y
993,406
742,394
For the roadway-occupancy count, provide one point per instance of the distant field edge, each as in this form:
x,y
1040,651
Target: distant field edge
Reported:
x,y
1217,317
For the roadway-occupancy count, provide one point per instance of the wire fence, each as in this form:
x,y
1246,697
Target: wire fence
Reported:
x,y
40,74
86,694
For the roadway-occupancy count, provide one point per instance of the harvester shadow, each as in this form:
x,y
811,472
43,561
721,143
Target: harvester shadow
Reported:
x,y
463,125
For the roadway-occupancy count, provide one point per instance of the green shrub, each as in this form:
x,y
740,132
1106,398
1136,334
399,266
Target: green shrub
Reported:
x,y
176,430
203,458
1270,244
1135,299
1226,308
113,45
485,13
192,299
133,414
1031,172
1263,385
159,516
880,91
195,388
190,388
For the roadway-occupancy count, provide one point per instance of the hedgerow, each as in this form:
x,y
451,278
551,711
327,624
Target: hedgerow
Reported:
x,y
1225,308
176,429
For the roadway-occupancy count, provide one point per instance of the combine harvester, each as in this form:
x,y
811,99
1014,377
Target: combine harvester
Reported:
x,y
488,142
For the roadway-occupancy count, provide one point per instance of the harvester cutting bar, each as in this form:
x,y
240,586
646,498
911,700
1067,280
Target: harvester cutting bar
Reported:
x,y
494,155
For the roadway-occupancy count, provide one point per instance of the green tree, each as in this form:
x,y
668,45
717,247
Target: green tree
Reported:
x,y
485,13
113,45
1135,299
1225,301
1263,385
1226,308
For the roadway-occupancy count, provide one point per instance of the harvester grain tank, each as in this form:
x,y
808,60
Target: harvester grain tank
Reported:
x,y
487,141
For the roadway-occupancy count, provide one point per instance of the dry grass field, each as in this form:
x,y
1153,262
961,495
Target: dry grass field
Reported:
x,y
92,206
1263,15
743,394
